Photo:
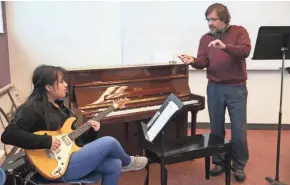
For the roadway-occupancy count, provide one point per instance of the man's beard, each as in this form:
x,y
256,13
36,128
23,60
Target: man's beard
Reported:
x,y
215,30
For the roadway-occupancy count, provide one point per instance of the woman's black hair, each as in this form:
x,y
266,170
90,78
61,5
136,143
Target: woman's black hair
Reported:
x,y
44,75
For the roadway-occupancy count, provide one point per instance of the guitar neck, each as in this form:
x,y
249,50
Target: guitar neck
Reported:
x,y
84,127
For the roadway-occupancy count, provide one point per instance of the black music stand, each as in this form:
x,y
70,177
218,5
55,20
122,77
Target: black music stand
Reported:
x,y
272,44
158,123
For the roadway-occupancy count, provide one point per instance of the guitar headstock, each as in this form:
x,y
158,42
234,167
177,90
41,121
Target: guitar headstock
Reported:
x,y
120,103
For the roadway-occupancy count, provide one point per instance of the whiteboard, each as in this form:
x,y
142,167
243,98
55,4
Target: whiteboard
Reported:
x,y
158,31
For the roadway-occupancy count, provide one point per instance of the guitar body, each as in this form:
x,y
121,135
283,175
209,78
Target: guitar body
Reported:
x,y
53,165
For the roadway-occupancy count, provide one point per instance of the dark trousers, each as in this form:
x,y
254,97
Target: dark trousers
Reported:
x,y
234,98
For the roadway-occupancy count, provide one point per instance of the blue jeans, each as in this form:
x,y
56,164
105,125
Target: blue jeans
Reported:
x,y
234,98
104,155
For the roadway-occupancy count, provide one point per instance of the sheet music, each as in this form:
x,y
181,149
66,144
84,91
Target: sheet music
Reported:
x,y
153,119
170,109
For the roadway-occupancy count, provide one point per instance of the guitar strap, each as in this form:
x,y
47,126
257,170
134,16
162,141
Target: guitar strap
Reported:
x,y
75,114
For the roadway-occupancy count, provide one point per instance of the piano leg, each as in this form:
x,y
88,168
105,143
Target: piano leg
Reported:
x,y
193,122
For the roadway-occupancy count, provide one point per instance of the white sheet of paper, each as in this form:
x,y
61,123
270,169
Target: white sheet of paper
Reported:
x,y
153,119
169,110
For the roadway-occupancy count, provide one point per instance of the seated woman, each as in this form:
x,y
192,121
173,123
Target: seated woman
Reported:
x,y
44,110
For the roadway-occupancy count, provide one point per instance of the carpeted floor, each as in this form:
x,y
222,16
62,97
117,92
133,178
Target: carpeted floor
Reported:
x,y
262,148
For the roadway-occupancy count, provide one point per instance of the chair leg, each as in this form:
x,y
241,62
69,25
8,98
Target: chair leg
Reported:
x,y
28,177
207,167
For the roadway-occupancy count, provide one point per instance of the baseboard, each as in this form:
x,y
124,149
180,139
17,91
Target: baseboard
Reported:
x,y
250,126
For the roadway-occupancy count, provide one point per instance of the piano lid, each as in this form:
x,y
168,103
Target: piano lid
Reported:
x,y
97,88
86,68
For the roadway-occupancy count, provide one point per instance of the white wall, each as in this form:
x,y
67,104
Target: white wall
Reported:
x,y
70,34
39,32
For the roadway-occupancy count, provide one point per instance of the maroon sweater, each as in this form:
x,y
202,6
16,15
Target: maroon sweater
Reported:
x,y
226,66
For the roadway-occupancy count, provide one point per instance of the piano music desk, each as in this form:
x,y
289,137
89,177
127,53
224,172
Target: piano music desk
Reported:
x,y
188,148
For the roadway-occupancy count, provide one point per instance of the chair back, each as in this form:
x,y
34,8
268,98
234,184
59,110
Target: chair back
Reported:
x,y
9,103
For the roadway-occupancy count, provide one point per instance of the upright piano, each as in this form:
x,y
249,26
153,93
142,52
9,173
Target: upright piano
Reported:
x,y
147,86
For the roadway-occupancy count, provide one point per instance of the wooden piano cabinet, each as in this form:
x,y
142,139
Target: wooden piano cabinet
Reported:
x,y
147,86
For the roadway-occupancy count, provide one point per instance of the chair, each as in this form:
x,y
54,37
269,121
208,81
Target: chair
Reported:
x,y
36,179
7,94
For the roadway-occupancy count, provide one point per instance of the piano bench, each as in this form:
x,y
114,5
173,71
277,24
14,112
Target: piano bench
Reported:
x,y
189,148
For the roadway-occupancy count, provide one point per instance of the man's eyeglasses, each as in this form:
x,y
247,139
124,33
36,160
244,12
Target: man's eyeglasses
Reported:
x,y
212,19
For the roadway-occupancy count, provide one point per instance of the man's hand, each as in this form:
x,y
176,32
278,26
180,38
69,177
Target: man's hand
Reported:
x,y
95,124
55,143
186,59
217,44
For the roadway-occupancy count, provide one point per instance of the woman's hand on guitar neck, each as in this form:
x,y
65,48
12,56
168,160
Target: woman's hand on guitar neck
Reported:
x,y
96,125
55,143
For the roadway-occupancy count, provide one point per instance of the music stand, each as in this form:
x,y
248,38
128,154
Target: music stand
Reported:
x,y
272,44
158,123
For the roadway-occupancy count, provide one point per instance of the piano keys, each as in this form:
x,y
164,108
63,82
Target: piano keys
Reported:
x,y
143,109
147,86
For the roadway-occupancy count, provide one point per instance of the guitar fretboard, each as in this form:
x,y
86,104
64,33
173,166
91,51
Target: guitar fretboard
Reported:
x,y
84,127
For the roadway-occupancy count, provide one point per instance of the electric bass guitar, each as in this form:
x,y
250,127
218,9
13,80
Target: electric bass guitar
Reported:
x,y
53,164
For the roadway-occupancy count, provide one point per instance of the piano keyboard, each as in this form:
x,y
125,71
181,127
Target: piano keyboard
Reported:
x,y
143,109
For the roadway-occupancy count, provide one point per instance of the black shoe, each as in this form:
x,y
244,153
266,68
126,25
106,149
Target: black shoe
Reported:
x,y
240,175
217,170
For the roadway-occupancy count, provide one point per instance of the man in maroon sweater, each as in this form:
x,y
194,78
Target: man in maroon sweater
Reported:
x,y
222,51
